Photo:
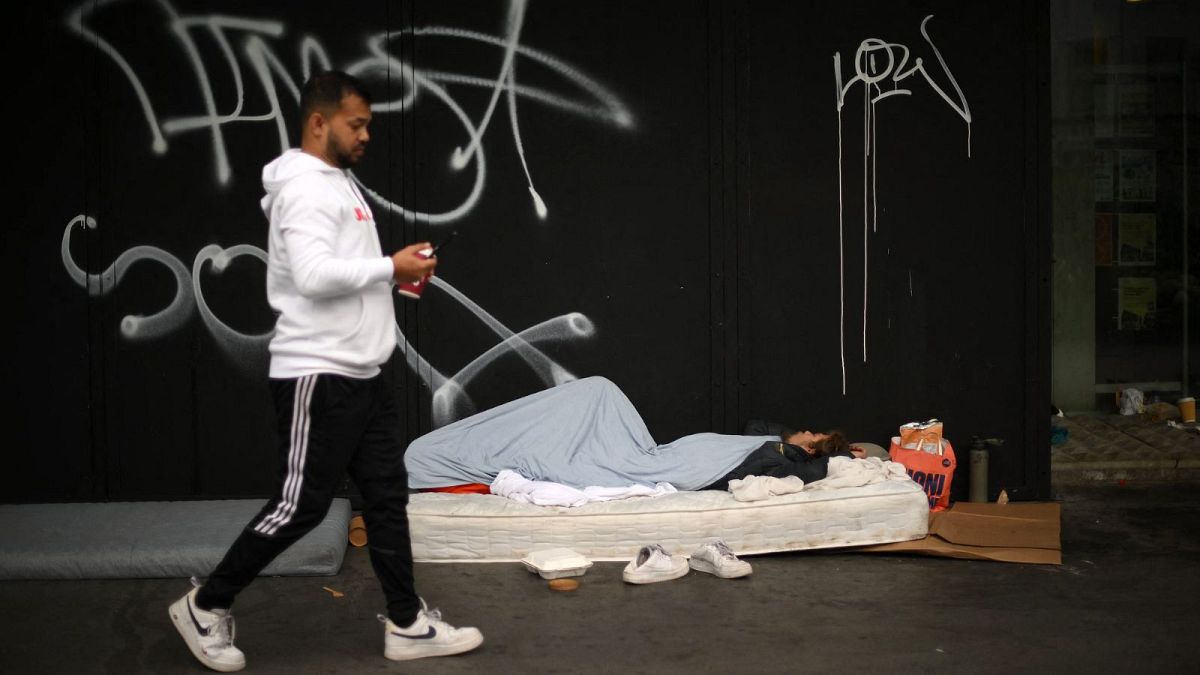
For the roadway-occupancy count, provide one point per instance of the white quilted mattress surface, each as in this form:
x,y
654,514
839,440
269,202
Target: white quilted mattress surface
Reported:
x,y
488,528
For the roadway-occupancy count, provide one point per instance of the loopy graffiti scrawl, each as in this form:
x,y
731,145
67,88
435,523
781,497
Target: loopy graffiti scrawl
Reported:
x,y
248,55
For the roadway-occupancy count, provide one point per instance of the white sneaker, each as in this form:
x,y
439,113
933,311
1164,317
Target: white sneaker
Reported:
x,y
428,636
208,634
652,564
715,557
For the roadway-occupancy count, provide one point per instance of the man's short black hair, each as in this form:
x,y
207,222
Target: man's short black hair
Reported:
x,y
324,93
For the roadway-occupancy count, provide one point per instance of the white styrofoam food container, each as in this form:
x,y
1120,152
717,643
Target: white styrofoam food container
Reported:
x,y
553,563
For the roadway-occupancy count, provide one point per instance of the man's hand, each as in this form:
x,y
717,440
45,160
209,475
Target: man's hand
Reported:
x,y
409,264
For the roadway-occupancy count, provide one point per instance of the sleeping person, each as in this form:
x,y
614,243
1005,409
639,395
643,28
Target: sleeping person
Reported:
x,y
587,433
798,453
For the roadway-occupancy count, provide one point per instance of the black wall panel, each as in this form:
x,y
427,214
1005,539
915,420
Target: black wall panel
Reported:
x,y
686,155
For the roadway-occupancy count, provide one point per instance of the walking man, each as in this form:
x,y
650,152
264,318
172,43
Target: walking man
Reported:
x,y
330,283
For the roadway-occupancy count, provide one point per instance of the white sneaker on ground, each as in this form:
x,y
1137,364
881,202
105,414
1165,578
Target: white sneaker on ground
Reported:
x,y
209,634
652,564
428,636
715,557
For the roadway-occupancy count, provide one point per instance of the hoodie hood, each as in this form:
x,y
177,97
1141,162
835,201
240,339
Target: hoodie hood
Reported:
x,y
287,166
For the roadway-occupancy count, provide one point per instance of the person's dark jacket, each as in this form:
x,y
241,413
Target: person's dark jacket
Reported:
x,y
764,428
776,458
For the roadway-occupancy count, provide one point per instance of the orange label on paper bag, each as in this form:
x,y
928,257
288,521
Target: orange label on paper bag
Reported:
x,y
929,470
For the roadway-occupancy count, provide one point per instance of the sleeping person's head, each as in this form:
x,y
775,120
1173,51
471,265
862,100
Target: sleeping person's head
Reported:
x,y
820,444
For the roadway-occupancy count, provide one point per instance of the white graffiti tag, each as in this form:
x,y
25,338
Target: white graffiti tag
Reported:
x,y
878,63
417,83
248,56
134,327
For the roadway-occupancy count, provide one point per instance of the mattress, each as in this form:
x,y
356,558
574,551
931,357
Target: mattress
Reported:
x,y
142,540
488,528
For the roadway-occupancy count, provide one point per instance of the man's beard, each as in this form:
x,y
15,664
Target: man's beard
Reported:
x,y
343,159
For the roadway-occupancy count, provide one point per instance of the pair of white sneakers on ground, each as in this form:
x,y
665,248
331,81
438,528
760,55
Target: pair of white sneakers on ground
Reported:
x,y
209,635
653,563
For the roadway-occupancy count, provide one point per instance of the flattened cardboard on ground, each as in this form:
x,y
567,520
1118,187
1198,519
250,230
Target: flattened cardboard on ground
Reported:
x,y
1021,533
1001,525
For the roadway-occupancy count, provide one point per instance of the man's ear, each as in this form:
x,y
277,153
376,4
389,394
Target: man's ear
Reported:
x,y
315,122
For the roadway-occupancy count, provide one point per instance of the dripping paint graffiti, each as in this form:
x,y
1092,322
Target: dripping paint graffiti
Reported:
x,y
880,67
249,56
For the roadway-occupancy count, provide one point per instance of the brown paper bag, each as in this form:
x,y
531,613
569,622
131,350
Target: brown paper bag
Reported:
x,y
923,436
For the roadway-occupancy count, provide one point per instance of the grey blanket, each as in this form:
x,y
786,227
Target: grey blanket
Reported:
x,y
580,433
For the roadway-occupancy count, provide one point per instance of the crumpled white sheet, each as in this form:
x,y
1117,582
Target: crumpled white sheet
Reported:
x,y
847,472
518,488
757,488
844,472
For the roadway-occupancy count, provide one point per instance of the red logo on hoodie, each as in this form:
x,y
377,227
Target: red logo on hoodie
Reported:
x,y
359,214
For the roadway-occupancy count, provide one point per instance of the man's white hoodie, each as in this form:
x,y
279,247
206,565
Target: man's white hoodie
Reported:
x,y
327,276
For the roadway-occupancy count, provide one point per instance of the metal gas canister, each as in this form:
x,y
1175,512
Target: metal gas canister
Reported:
x,y
980,461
